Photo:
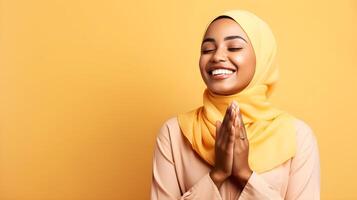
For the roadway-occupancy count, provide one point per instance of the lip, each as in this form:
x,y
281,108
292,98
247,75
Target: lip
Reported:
x,y
221,76
211,68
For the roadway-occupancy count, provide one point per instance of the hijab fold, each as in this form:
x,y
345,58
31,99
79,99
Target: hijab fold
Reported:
x,y
270,131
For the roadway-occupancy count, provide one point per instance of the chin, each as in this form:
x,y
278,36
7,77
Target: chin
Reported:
x,y
223,90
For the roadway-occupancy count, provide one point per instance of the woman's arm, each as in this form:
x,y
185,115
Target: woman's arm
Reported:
x,y
304,180
304,177
165,186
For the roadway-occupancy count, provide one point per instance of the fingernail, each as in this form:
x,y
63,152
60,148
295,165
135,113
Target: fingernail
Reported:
x,y
237,108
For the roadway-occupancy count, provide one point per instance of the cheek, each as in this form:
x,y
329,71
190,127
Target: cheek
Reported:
x,y
239,61
245,63
202,63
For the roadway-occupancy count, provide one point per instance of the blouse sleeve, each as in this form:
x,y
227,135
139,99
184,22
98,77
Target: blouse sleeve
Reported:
x,y
304,180
304,176
258,188
165,186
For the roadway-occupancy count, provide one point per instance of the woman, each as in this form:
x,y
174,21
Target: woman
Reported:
x,y
237,145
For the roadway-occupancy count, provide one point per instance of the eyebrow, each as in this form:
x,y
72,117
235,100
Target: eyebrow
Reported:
x,y
226,38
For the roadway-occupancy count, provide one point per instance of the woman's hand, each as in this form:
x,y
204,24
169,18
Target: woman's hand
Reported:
x,y
224,147
240,170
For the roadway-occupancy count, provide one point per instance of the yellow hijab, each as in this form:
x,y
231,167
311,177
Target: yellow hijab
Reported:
x,y
270,132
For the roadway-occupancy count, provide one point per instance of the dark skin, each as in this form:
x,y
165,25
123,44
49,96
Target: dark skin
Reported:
x,y
232,148
225,45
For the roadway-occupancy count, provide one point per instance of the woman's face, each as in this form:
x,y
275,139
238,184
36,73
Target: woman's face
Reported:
x,y
227,61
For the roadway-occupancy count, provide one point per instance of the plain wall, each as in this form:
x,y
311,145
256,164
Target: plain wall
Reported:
x,y
86,85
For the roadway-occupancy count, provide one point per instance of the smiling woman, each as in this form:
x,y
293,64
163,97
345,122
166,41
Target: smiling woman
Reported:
x,y
237,145
227,61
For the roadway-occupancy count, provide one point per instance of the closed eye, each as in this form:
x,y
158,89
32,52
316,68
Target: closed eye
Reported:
x,y
207,51
235,49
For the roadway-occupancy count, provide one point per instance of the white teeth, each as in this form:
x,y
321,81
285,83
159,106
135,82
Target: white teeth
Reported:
x,y
221,71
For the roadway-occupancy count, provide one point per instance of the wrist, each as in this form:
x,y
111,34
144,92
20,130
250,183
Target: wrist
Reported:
x,y
242,177
218,177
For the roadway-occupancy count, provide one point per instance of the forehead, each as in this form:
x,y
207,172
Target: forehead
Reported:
x,y
223,27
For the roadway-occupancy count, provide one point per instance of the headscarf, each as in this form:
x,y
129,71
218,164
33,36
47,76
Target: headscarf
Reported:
x,y
270,131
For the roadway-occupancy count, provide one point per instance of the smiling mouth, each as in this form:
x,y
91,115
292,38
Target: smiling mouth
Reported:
x,y
221,71
220,74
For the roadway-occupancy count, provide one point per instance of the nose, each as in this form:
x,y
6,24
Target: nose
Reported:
x,y
219,56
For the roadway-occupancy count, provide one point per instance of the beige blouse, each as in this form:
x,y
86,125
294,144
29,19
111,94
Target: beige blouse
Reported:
x,y
179,173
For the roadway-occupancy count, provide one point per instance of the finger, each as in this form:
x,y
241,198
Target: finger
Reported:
x,y
234,104
228,141
227,115
245,141
242,129
236,112
233,114
244,132
236,119
231,138
238,129
236,122
227,131
218,127
225,126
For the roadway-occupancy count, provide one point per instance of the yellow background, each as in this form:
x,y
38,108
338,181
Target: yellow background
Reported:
x,y
85,86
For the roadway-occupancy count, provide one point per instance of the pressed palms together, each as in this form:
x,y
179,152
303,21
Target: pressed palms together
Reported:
x,y
231,149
